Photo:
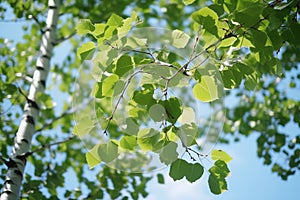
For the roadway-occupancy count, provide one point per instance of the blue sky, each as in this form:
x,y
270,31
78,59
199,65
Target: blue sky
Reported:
x,y
249,179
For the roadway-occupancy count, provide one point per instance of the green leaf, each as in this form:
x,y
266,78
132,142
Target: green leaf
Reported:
x,y
92,157
97,90
147,138
220,169
119,87
160,179
86,51
216,186
128,23
168,153
157,112
275,38
208,18
187,134
84,126
132,127
188,2
144,96
291,33
228,42
128,142
216,180
173,109
85,26
220,155
231,78
124,64
108,152
258,39
206,90
115,20
108,84
179,39
45,101
195,172
178,169
280,140
229,5
99,29
248,12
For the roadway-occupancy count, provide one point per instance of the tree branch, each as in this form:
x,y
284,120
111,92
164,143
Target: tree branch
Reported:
x,y
11,188
62,39
119,100
47,146
67,112
3,160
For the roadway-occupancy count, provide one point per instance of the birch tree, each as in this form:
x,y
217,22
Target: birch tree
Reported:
x,y
16,71
22,141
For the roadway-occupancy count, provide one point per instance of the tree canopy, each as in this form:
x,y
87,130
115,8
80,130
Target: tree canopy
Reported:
x,y
142,87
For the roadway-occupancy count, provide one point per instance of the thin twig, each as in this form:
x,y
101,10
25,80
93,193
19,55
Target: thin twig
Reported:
x,y
206,49
23,94
35,19
119,100
8,109
62,39
2,159
67,112
199,64
196,152
13,20
195,46
46,146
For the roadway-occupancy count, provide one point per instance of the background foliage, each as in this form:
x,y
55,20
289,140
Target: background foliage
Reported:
x,y
256,54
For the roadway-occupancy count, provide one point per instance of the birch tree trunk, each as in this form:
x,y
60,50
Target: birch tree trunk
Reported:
x,y
17,162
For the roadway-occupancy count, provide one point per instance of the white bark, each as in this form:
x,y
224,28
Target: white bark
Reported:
x,y
13,182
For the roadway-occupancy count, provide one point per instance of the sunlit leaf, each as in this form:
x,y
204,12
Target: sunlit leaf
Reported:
x,y
84,126
86,51
188,2
128,142
208,19
220,155
179,39
115,20
187,116
147,138
206,90
92,157
85,26
108,152
108,85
